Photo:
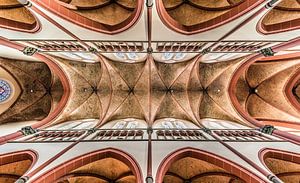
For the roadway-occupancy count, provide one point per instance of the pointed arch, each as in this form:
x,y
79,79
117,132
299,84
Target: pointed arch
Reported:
x,y
109,17
70,168
15,164
224,166
274,160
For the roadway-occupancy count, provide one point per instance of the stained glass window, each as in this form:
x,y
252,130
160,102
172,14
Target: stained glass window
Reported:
x,y
169,56
131,56
5,90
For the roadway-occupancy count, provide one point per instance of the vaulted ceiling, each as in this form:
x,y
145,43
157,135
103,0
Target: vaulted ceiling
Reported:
x,y
37,91
110,60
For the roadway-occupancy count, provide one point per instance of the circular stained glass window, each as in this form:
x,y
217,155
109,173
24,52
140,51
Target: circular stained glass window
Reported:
x,y
5,90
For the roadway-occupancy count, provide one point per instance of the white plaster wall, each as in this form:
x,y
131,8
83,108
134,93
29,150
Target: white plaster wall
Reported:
x,y
12,127
7,52
221,124
45,151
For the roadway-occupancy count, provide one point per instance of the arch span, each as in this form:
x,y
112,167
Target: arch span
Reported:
x,y
222,167
15,164
75,167
285,165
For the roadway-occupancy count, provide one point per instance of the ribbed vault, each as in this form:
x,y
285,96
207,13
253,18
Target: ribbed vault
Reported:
x,y
261,91
40,91
290,173
102,166
195,166
149,90
84,101
152,90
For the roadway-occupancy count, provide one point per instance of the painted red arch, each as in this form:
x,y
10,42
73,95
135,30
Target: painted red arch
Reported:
x,y
66,167
63,78
209,157
66,13
20,26
277,154
289,88
232,14
288,92
12,157
279,27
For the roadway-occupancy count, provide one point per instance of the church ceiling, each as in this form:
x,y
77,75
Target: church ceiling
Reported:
x,y
285,16
196,171
39,91
149,90
170,59
108,16
262,91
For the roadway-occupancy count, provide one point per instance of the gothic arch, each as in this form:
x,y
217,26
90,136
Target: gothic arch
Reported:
x,y
15,164
219,167
285,165
77,167
109,17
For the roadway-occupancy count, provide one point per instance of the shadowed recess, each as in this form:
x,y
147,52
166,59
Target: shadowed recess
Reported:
x,y
14,165
285,165
194,16
283,17
261,91
14,15
107,16
105,170
195,171
40,91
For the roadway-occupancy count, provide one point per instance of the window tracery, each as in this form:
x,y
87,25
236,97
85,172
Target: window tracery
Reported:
x,y
5,90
